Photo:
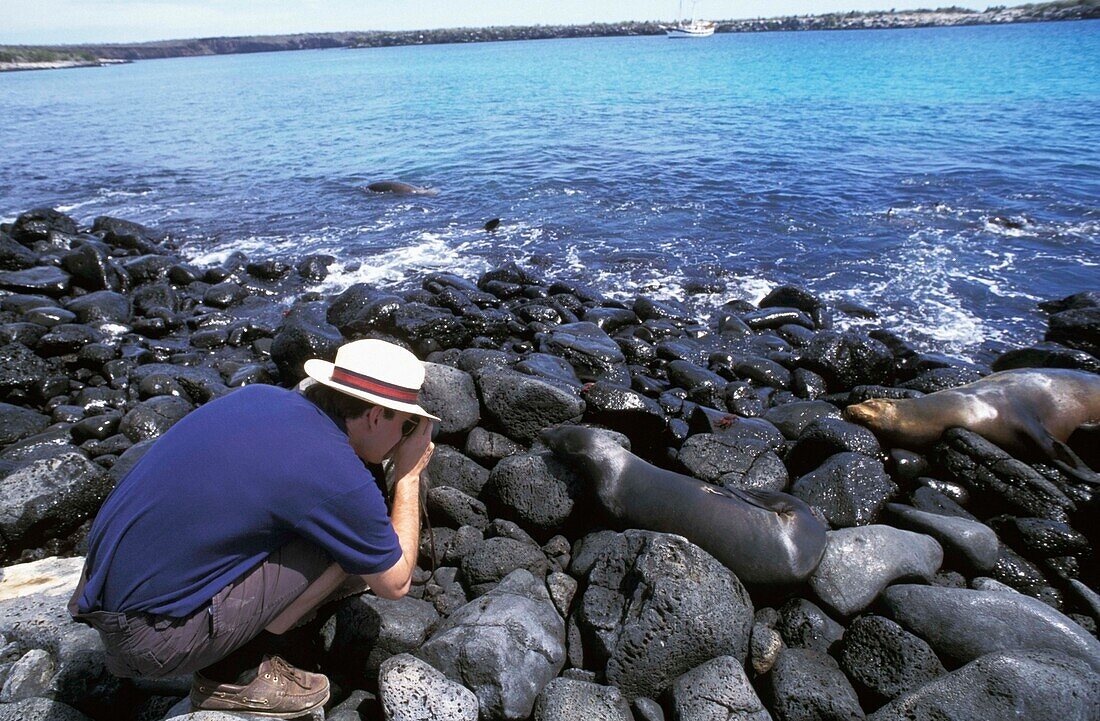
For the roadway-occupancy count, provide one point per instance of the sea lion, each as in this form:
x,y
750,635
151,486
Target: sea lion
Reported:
x,y
1028,412
764,537
396,187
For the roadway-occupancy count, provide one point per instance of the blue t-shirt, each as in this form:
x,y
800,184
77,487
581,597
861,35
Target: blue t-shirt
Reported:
x,y
224,488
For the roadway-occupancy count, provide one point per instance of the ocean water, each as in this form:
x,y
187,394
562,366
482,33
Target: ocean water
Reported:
x,y
946,178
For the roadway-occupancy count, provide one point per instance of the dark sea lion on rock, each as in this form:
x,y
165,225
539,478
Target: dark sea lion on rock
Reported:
x,y
762,536
396,187
1030,412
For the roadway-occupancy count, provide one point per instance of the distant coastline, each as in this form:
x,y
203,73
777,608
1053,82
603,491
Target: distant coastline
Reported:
x,y
40,57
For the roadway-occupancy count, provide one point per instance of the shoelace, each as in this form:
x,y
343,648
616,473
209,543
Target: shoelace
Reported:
x,y
279,666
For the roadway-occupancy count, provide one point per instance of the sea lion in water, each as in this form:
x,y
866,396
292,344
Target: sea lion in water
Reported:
x,y
1028,412
762,536
396,187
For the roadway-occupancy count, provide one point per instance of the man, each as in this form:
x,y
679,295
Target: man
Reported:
x,y
247,515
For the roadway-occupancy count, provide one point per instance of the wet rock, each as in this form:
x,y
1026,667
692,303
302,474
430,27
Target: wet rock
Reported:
x,y
566,699
103,306
610,319
429,329
717,690
795,297
451,507
650,309
848,359
534,490
64,339
589,350
523,406
807,384
703,386
626,411
885,661
808,685
367,630
1077,328
96,427
792,418
412,690
155,298
646,586
92,268
199,383
736,463
1000,482
46,279
1047,355
938,379
148,268
826,437
24,333
962,624
860,562
849,489
450,394
448,467
504,646
776,317
151,418
46,498
37,224
973,542
763,372
126,234
14,256
1036,685
223,295
1024,576
303,335
1041,538
731,427
49,317
495,558
16,423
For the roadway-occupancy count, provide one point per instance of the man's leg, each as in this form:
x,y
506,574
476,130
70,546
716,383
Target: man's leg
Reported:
x,y
318,592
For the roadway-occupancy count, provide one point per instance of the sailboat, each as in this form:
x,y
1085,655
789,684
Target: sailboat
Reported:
x,y
693,29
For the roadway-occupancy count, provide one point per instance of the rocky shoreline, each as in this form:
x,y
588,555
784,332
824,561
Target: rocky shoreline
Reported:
x,y
942,17
958,584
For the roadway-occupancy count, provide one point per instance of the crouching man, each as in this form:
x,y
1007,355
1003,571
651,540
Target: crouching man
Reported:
x,y
247,515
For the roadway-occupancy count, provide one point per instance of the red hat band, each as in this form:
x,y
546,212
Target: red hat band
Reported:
x,y
360,382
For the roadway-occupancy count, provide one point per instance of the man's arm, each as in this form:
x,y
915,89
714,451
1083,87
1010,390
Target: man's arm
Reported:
x,y
409,460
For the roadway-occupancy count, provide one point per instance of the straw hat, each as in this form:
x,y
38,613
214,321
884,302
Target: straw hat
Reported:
x,y
374,371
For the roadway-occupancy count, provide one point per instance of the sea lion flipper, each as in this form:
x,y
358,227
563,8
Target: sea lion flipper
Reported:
x,y
1071,464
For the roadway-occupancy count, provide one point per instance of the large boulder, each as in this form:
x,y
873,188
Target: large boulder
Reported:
x,y
590,350
860,562
962,624
971,541
522,405
411,690
717,690
1032,685
504,646
450,394
17,423
1077,328
305,334
807,685
884,660
448,467
997,481
34,615
847,359
850,489
734,462
151,418
47,498
366,630
645,586
535,490
568,699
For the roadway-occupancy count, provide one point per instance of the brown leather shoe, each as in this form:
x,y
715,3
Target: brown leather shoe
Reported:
x,y
279,691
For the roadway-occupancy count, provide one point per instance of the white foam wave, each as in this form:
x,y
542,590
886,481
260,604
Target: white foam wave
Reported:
x,y
101,195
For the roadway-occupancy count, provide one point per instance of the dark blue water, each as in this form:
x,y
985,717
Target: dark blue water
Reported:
x,y
869,166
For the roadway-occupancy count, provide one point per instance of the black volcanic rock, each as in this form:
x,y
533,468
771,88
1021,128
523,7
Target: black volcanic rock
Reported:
x,y
303,335
46,279
1077,328
128,235
847,359
35,225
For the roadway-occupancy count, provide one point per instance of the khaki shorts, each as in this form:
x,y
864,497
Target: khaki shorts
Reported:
x,y
142,644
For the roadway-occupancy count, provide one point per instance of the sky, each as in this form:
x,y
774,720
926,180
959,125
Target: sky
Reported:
x,y
40,22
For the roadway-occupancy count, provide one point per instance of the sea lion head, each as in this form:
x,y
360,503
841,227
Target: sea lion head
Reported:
x,y
594,454
878,414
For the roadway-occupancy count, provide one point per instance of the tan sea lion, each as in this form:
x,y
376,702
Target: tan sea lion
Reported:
x,y
1029,412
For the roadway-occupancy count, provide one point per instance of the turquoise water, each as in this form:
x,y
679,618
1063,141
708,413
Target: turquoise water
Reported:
x,y
871,166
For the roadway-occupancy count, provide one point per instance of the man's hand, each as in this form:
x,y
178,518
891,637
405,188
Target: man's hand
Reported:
x,y
412,454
